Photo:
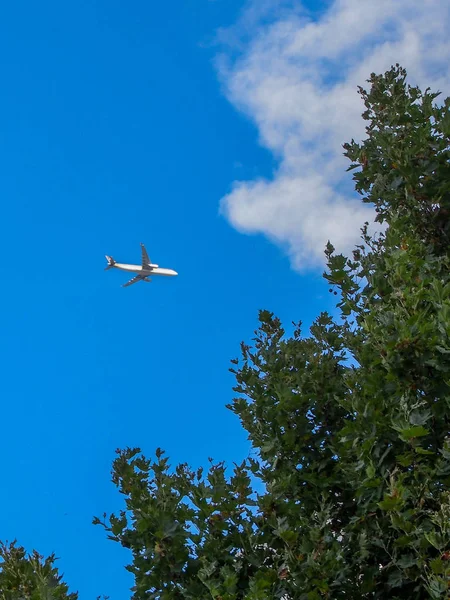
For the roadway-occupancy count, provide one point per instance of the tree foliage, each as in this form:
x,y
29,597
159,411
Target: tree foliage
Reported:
x,y
347,495
30,577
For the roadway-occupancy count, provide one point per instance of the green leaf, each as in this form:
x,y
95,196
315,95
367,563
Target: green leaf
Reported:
x,y
435,539
390,503
404,540
395,578
370,471
437,566
289,536
421,450
413,432
406,561
406,460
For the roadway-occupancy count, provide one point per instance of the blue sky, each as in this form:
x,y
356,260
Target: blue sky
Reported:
x,y
114,131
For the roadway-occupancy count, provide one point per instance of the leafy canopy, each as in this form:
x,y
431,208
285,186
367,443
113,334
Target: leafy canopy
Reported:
x,y
30,577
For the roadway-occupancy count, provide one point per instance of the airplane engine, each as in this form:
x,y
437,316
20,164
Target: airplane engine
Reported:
x,y
154,266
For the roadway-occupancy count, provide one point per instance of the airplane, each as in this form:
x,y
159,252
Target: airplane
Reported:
x,y
143,271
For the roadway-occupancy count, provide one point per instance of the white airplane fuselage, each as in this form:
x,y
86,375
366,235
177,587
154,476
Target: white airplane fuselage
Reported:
x,y
154,270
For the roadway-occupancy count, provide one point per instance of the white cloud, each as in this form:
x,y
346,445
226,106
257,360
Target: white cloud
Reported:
x,y
296,76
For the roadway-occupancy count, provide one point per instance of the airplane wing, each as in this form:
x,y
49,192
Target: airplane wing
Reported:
x,y
145,258
134,280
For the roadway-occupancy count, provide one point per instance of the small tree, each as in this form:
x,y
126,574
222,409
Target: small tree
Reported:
x,y
30,577
350,425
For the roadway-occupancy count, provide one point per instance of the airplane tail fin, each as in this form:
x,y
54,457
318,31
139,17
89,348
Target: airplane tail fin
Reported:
x,y
111,262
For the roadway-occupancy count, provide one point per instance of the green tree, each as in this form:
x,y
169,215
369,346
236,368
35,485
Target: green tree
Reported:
x,y
348,493
30,577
